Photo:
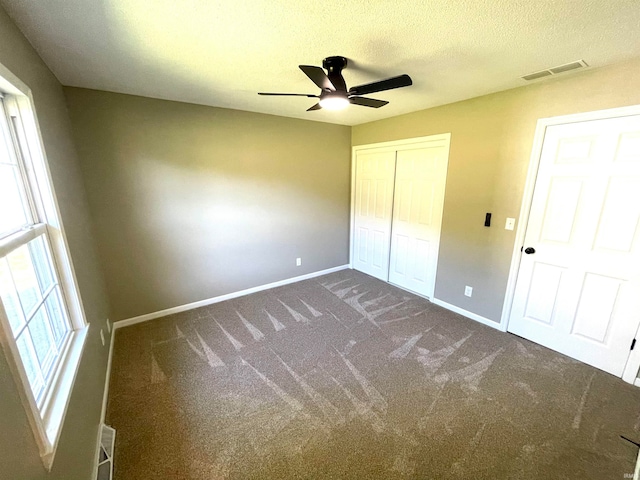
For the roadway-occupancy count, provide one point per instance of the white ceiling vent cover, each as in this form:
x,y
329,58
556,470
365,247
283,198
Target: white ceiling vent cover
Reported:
x,y
555,70
105,454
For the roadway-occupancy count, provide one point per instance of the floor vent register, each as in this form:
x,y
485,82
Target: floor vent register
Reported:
x,y
105,454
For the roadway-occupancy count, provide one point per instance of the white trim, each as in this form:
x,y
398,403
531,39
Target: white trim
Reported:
x,y
47,422
398,145
468,314
636,472
105,398
404,144
209,301
633,363
38,166
352,206
11,84
12,355
523,220
632,368
105,395
55,413
96,455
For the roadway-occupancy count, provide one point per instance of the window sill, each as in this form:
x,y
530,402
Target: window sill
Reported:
x,y
55,408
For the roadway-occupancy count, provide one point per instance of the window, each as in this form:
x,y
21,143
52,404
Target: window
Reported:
x,y
33,305
42,324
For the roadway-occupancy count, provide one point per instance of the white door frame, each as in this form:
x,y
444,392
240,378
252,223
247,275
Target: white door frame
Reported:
x,y
405,144
633,363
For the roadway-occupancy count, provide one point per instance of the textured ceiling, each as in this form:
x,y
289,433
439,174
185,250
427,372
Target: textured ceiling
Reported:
x,y
222,52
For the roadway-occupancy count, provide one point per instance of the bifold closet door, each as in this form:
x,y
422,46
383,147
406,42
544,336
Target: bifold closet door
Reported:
x,y
373,207
417,216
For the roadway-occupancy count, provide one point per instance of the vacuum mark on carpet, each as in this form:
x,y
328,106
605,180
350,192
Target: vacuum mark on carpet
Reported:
x,y
212,359
527,389
236,344
343,292
578,418
330,411
295,314
405,348
157,375
312,310
472,374
276,323
338,319
458,467
393,320
330,286
179,332
253,330
382,311
363,409
374,301
288,399
375,396
434,360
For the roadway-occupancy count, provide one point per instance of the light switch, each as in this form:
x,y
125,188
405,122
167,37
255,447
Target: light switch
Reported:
x,y
511,222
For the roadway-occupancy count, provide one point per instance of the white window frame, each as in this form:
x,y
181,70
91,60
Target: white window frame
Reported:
x,y
47,420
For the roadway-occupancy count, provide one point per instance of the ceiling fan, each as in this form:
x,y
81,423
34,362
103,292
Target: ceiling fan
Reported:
x,y
334,94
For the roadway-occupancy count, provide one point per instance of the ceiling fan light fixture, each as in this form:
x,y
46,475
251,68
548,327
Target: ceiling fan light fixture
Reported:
x,y
334,94
334,102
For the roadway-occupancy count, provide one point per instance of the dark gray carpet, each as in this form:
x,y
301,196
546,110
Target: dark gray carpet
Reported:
x,y
345,376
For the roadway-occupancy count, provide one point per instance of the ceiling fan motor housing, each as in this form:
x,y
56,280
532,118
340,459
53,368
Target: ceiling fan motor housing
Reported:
x,y
334,66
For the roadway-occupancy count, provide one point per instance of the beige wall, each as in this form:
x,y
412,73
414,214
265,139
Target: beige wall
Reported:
x,y
19,458
491,140
192,202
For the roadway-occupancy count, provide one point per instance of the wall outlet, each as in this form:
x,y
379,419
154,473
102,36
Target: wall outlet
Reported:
x,y
468,291
298,262
108,325
102,337
511,222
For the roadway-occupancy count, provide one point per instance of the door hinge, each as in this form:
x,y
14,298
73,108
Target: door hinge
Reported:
x,y
633,344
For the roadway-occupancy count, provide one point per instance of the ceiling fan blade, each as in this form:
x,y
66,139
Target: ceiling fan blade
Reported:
x,y
290,94
315,107
388,84
317,76
367,102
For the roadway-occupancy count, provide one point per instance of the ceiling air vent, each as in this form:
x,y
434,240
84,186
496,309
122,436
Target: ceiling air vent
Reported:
x,y
555,70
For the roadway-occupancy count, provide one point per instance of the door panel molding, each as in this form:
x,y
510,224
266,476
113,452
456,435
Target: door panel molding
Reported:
x,y
633,363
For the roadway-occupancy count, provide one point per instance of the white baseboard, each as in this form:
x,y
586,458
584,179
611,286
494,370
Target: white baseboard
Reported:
x,y
222,298
105,396
468,314
103,413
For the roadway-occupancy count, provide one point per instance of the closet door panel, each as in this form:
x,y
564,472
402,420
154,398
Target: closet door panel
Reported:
x,y
374,185
417,215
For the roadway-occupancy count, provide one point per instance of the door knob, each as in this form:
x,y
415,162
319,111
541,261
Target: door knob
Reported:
x,y
529,250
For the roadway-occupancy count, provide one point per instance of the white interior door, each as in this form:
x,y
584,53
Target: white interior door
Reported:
x,y
579,292
375,173
417,217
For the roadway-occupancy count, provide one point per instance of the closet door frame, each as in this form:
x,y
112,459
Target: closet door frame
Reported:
x,y
396,145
